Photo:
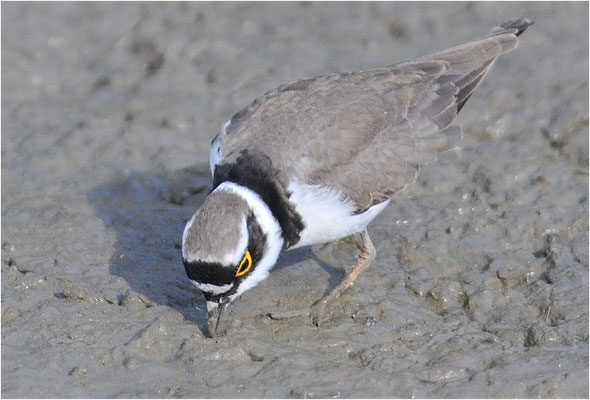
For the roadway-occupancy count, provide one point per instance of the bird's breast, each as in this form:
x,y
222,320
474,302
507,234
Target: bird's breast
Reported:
x,y
327,214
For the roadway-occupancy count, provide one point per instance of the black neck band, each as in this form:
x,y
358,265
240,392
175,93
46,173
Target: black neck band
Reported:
x,y
255,171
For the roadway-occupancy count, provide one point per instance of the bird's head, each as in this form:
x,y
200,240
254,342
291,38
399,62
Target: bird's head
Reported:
x,y
229,246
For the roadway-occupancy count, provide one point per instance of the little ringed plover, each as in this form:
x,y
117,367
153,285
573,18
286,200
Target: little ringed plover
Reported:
x,y
316,160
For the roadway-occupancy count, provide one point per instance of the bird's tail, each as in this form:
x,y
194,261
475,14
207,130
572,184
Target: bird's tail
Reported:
x,y
470,62
500,40
515,26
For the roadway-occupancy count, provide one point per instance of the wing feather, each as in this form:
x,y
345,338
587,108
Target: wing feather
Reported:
x,y
368,133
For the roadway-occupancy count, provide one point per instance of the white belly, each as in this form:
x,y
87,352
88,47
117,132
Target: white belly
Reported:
x,y
326,216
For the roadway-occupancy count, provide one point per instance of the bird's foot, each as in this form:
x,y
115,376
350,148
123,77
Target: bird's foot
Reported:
x,y
318,310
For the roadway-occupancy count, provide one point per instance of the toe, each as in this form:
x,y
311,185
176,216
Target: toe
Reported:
x,y
287,314
317,312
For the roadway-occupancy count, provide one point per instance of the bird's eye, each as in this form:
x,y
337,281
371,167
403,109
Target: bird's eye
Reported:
x,y
245,265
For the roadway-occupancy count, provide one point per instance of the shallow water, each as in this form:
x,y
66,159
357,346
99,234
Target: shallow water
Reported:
x,y
480,286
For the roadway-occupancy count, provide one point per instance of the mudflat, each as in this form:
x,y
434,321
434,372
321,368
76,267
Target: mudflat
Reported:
x,y
480,285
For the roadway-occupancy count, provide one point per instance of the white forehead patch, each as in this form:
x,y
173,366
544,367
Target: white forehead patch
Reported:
x,y
213,289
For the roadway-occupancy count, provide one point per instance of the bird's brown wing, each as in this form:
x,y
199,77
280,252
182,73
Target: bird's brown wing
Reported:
x,y
368,133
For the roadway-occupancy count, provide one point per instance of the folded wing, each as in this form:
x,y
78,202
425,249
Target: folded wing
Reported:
x,y
368,133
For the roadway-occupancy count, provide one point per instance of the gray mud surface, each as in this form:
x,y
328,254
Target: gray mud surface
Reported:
x,y
480,286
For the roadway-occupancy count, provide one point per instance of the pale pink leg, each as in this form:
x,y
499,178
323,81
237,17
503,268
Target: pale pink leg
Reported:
x,y
363,262
317,311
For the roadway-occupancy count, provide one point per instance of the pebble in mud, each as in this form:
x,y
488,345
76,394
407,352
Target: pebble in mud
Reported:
x,y
518,268
132,299
446,296
78,372
9,314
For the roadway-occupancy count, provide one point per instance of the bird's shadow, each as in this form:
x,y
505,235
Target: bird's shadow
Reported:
x,y
147,212
299,255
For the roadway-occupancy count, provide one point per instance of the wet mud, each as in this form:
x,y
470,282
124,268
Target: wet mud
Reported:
x,y
480,285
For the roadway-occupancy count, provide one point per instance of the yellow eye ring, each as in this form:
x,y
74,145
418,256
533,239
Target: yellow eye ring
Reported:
x,y
245,265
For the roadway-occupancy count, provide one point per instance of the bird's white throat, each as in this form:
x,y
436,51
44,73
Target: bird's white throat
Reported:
x,y
270,227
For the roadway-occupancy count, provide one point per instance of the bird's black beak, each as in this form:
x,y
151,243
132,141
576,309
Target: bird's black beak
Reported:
x,y
214,310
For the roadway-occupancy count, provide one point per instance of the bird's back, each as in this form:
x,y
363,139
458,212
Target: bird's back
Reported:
x,y
367,133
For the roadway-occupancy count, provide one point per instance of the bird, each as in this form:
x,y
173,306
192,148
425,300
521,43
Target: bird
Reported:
x,y
315,160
